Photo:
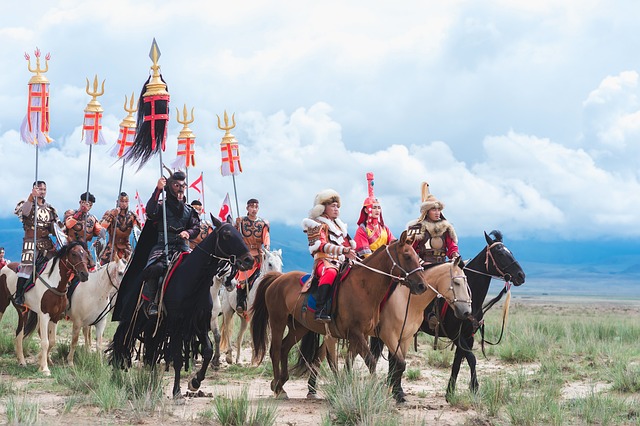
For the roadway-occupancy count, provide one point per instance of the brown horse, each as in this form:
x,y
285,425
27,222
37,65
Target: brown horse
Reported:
x,y
280,303
400,318
48,298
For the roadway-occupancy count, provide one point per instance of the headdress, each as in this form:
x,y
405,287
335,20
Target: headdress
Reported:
x,y
429,201
322,199
368,202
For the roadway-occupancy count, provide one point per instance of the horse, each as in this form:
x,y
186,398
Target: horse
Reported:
x,y
47,298
400,318
271,261
495,260
280,303
184,322
92,301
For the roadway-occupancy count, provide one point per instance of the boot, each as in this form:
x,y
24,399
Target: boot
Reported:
x,y
150,292
241,298
432,321
322,304
19,296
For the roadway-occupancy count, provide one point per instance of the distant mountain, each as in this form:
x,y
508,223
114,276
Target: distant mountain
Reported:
x,y
554,268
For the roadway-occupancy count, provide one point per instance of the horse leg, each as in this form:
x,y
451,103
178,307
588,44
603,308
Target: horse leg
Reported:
x,y
226,332
215,312
207,354
99,333
397,365
177,361
75,335
53,327
277,331
293,336
20,338
44,344
243,327
455,369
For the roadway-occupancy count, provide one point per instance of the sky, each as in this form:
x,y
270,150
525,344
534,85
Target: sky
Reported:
x,y
522,116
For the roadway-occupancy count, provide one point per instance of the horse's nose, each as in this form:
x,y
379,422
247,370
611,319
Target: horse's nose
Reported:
x,y
245,262
84,276
519,278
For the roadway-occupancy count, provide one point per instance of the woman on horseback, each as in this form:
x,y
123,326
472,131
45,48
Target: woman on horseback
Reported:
x,y
372,232
329,244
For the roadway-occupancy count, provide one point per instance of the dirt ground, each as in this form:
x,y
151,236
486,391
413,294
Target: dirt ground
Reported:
x,y
426,401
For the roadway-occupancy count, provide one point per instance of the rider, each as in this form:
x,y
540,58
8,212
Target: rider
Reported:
x,y
3,261
44,227
372,232
434,237
329,244
206,227
183,224
119,222
82,225
255,232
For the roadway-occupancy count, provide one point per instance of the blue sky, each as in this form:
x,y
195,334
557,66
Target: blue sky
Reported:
x,y
523,116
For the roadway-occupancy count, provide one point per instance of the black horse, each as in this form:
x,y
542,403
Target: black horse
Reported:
x,y
183,328
494,261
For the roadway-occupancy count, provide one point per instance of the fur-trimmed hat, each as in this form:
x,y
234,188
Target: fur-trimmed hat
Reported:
x,y
323,198
429,201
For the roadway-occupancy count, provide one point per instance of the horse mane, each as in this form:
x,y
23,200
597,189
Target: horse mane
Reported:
x,y
64,250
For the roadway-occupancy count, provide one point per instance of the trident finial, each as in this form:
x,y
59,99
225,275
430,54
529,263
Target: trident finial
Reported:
x,y
226,127
129,120
186,132
94,105
38,78
184,121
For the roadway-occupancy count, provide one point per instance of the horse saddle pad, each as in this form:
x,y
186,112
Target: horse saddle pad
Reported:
x,y
305,282
173,267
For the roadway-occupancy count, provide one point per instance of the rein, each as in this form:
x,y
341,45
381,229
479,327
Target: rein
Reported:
x,y
110,305
389,274
230,258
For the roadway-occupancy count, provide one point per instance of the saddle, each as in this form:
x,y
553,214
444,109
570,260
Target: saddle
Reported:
x,y
309,283
41,265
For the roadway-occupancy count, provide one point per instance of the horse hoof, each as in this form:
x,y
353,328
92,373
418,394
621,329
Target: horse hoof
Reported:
x,y
46,373
282,395
312,395
194,384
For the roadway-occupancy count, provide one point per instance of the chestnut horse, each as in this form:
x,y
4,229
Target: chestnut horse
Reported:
x,y
280,303
47,298
400,318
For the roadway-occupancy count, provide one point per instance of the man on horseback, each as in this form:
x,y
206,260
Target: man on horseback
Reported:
x,y
329,244
255,231
119,223
434,237
183,224
372,232
42,227
206,227
82,225
3,261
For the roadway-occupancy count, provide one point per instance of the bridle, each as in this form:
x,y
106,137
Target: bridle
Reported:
x,y
394,265
74,266
505,276
229,258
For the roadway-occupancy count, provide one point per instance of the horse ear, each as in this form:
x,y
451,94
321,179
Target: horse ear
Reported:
x,y
456,262
403,238
216,222
489,240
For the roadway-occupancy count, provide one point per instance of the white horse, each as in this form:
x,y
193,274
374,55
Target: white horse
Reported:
x,y
91,302
271,262
47,299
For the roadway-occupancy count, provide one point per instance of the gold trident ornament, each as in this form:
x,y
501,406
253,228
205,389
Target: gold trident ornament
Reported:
x,y
94,105
185,132
38,78
129,120
228,137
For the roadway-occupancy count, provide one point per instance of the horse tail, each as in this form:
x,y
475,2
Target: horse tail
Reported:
x,y
226,331
119,351
376,345
261,318
30,323
309,354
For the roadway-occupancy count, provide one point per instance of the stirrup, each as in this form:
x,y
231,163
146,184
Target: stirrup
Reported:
x,y
152,311
321,316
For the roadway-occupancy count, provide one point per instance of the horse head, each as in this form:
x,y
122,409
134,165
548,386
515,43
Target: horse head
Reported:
x,y
117,270
229,245
459,294
74,257
409,263
500,260
271,261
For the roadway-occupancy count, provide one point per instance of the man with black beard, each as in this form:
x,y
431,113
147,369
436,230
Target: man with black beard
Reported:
x,y
183,224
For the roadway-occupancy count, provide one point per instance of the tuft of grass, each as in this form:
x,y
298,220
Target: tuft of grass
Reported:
x,y
232,410
626,378
21,412
413,374
359,398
